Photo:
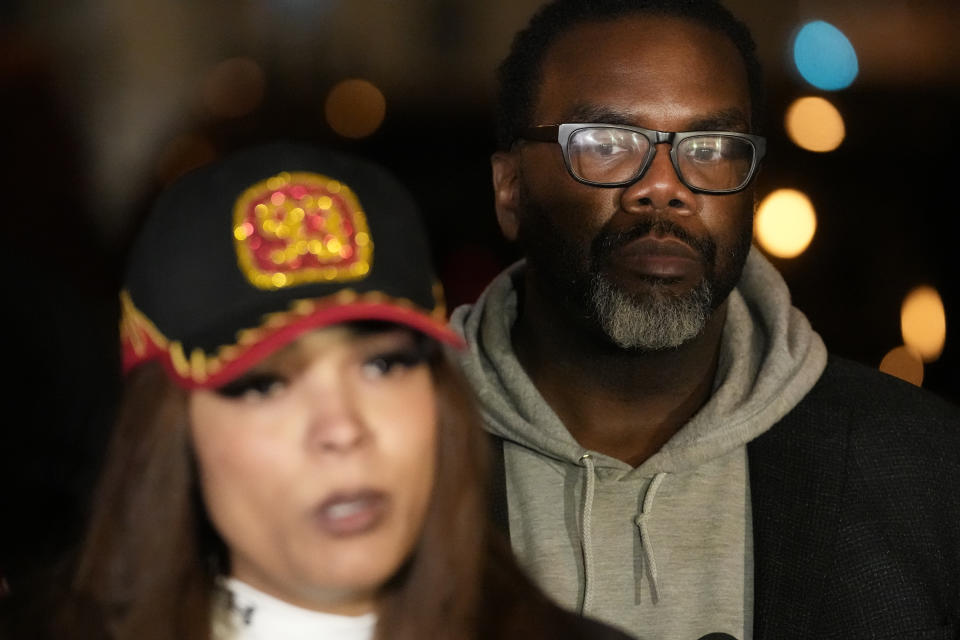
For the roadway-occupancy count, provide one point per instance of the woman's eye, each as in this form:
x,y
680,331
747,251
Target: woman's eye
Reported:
x,y
392,362
253,387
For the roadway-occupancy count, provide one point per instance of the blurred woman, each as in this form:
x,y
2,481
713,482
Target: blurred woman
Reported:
x,y
294,455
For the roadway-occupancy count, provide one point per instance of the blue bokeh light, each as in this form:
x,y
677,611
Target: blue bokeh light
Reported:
x,y
824,56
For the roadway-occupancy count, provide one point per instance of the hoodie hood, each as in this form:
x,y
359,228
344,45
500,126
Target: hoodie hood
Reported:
x,y
770,358
665,548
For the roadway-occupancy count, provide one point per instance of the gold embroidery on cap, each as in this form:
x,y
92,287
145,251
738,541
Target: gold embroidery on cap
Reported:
x,y
136,328
200,366
180,363
299,227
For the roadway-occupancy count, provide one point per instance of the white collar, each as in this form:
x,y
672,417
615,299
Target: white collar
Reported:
x,y
254,615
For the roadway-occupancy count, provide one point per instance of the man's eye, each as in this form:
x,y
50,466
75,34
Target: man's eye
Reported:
x,y
603,143
253,387
704,155
607,149
706,152
391,362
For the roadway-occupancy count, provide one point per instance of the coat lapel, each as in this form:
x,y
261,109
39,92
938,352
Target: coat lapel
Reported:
x,y
797,476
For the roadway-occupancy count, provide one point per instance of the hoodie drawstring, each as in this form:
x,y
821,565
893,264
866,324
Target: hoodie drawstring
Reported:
x,y
645,542
586,544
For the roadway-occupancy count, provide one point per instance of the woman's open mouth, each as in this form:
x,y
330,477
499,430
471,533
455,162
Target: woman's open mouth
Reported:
x,y
352,513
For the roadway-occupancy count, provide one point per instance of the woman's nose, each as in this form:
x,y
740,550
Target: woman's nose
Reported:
x,y
335,422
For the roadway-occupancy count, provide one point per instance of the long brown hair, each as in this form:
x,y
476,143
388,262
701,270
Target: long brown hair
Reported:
x,y
147,566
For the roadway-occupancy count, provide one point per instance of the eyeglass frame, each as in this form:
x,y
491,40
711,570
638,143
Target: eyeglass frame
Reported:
x,y
561,134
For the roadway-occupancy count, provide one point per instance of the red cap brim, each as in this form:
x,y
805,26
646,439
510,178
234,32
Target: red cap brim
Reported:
x,y
201,371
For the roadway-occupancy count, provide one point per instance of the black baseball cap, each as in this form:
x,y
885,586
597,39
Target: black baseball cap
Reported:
x,y
242,256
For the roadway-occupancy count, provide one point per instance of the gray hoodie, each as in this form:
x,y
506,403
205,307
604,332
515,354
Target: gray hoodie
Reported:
x,y
663,550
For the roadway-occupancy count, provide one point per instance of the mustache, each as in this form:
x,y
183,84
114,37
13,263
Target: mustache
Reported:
x,y
606,242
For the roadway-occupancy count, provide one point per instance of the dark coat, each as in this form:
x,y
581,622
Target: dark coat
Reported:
x,y
856,513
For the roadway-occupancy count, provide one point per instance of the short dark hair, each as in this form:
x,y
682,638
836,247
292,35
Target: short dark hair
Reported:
x,y
519,74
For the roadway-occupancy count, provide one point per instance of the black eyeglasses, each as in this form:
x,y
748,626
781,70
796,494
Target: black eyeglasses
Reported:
x,y
609,155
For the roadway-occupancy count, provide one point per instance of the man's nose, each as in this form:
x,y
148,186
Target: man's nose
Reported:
x,y
659,188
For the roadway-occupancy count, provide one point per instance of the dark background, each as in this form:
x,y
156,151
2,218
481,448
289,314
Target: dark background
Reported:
x,y
101,105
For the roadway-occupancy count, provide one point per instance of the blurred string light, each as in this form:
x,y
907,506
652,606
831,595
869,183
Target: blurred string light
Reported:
x,y
785,223
904,363
923,322
824,56
355,108
301,6
814,124
234,88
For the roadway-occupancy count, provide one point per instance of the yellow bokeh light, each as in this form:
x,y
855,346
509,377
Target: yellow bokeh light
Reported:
x,y
814,124
904,363
355,108
785,223
923,322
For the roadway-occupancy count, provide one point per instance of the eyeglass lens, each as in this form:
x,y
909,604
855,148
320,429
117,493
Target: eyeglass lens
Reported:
x,y
608,155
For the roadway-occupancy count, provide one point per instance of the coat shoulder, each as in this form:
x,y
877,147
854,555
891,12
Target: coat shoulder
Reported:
x,y
876,408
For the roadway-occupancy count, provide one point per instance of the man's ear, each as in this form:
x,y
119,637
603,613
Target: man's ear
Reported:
x,y
506,190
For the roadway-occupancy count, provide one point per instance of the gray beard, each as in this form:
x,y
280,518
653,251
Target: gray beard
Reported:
x,y
652,322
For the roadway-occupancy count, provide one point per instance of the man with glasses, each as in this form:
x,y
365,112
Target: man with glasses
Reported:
x,y
676,453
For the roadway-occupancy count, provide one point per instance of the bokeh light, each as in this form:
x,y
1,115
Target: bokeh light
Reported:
x,y
355,108
814,124
923,322
785,223
234,88
824,56
904,363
